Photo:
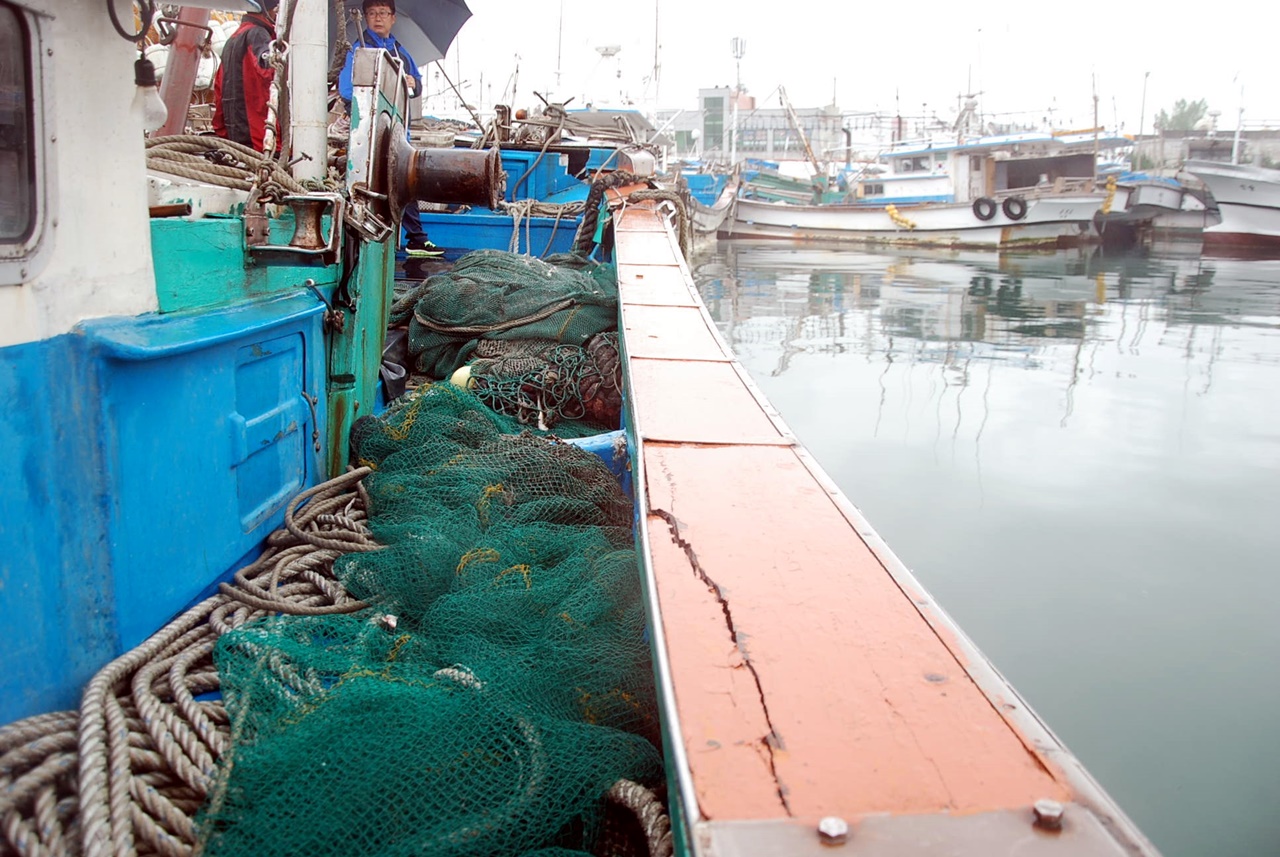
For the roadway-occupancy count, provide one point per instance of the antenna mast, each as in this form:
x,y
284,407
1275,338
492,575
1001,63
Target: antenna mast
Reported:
x,y
657,67
559,45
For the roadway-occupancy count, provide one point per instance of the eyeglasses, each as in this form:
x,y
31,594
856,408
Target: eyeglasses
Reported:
x,y
380,12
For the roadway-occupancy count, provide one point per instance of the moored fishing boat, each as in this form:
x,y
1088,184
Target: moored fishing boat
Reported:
x,y
1154,210
304,623
1016,190
1248,199
708,199
1060,220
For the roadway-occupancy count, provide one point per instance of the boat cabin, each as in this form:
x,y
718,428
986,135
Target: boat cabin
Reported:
x,y
1028,164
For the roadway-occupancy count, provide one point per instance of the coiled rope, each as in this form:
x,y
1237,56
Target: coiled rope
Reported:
x,y
216,161
584,241
127,773
649,812
524,209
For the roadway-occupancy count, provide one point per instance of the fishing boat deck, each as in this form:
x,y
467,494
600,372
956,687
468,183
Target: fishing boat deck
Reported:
x,y
804,670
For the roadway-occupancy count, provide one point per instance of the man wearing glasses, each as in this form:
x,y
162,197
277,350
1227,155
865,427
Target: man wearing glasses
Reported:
x,y
380,17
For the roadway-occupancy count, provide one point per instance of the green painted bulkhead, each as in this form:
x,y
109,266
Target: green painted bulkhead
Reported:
x,y
204,265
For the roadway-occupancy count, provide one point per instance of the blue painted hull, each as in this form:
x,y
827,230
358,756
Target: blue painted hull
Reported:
x,y
121,508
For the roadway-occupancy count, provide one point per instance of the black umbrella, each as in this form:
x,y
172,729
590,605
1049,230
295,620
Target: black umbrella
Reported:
x,y
425,27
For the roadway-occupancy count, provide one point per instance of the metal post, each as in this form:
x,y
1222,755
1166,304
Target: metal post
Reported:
x,y
308,85
1142,116
739,47
1094,176
180,72
1235,145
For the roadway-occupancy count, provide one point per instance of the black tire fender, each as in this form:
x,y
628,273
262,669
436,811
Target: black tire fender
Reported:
x,y
1015,208
984,208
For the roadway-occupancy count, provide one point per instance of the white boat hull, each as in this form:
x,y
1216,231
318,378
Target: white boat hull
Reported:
x,y
1248,198
1053,220
707,219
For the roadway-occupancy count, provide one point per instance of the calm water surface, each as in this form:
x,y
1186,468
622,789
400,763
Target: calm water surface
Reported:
x,y
1079,455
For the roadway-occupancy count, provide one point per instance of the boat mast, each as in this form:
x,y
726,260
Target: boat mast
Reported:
x,y
799,129
657,68
559,46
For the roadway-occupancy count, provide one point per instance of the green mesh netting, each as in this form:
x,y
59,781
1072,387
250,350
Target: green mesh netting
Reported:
x,y
541,382
497,688
492,294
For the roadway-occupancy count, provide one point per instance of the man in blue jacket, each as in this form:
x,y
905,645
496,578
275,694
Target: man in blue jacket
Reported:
x,y
380,17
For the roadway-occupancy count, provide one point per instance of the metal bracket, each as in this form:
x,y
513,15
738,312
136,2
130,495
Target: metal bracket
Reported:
x,y
361,215
308,245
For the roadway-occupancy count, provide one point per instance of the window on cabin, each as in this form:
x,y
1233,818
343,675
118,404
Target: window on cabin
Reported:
x,y
17,148
713,123
913,165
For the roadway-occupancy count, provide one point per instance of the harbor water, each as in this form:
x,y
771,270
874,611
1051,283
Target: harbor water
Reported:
x,y
1078,454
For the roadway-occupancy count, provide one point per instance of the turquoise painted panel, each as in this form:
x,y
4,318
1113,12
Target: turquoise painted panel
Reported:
x,y
203,263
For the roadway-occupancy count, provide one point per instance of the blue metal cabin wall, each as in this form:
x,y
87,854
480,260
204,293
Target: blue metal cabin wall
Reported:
x,y
538,236
151,457
547,178
56,599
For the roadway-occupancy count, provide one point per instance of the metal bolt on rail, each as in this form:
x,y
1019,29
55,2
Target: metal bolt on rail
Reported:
x,y
1048,814
833,830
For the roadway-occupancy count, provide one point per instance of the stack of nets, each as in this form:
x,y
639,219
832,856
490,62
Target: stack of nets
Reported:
x,y
464,672
539,336
500,683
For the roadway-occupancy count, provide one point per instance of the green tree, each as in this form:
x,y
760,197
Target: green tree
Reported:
x,y
1185,115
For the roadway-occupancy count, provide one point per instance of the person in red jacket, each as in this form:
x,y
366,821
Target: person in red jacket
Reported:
x,y
244,79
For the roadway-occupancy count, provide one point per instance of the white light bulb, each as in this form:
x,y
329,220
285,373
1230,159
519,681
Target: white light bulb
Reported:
x,y
147,103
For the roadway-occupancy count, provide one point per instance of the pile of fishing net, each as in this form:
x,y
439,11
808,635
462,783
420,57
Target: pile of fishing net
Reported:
x,y
442,652
496,689
534,339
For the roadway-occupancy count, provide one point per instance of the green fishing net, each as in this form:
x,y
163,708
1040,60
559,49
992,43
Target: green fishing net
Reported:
x,y
496,688
495,295
541,382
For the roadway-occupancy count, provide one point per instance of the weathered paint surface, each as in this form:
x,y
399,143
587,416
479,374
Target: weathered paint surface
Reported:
x,y
202,264
806,681
355,354
156,454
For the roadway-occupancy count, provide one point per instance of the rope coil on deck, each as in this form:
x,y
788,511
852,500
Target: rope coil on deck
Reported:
x,y
127,773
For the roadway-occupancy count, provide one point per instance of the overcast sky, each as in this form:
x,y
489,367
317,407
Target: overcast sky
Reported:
x,y
1023,57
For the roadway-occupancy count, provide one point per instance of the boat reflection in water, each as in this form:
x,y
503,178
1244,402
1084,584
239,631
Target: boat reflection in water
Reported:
x,y
1078,455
